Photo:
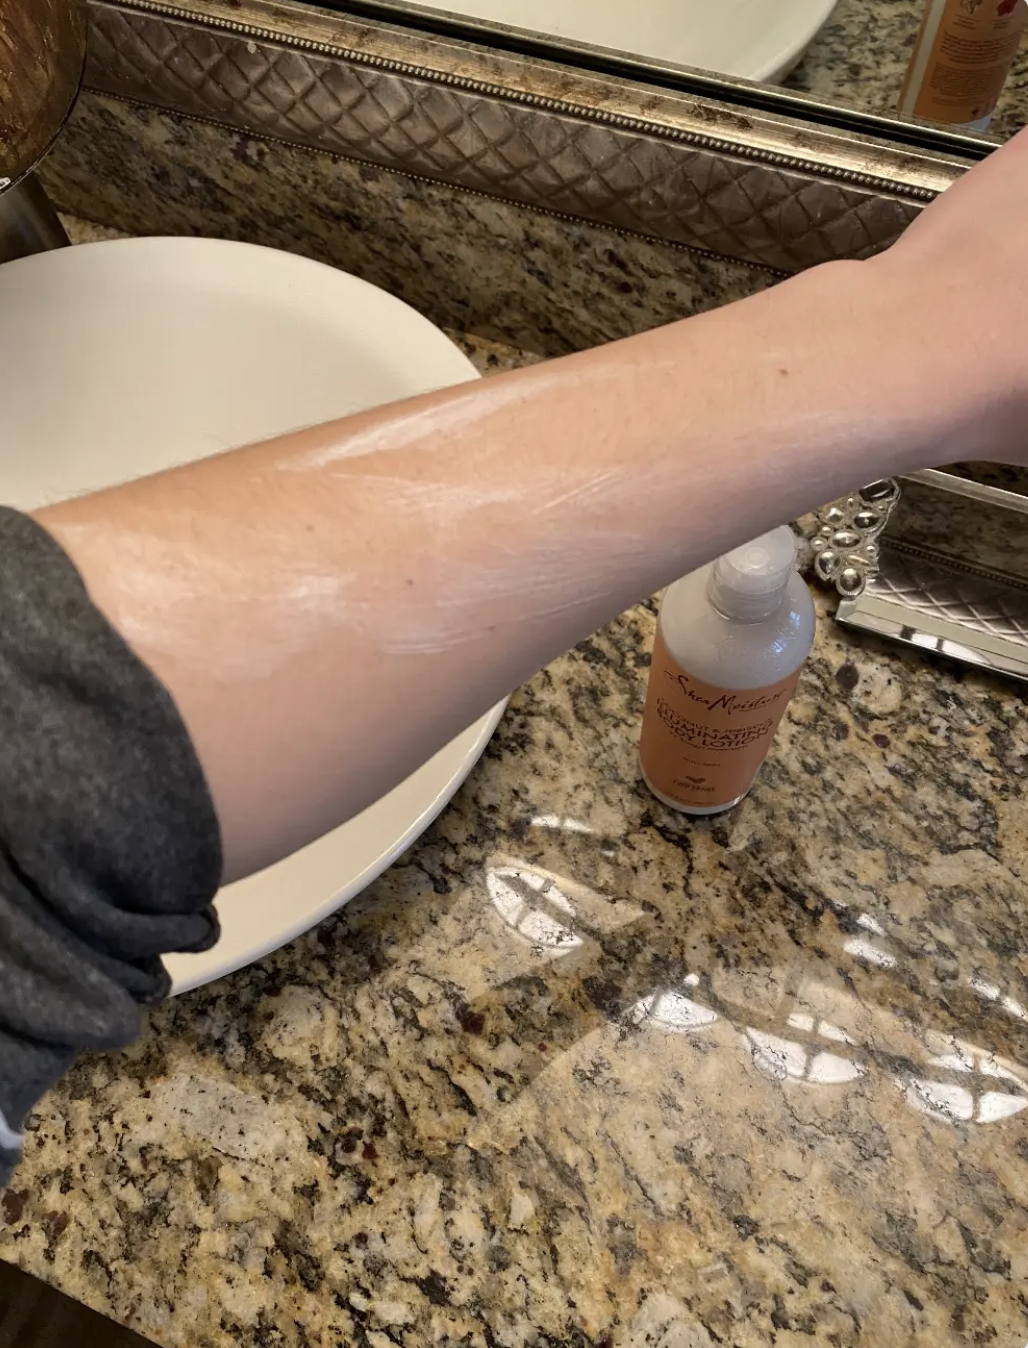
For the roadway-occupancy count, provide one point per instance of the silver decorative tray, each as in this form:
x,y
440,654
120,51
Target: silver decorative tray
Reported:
x,y
948,568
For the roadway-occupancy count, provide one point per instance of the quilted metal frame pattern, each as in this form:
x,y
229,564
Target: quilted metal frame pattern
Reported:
x,y
920,583
684,170
950,608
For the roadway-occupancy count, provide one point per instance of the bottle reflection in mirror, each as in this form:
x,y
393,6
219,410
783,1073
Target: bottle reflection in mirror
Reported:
x,y
961,60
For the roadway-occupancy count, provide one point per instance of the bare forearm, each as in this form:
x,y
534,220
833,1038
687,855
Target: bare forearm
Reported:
x,y
329,608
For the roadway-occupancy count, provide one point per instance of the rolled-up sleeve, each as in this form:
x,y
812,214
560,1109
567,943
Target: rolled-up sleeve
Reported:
x,y
110,852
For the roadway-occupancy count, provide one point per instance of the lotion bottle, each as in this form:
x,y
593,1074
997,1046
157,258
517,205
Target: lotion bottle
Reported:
x,y
731,642
961,60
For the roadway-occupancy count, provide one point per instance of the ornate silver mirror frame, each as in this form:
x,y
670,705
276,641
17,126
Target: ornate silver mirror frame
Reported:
x,y
715,173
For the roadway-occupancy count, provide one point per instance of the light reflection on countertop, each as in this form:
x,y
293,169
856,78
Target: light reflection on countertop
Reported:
x,y
537,908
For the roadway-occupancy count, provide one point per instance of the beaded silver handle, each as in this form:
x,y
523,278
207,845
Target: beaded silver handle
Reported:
x,y
845,547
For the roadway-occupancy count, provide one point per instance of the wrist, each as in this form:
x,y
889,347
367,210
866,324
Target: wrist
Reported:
x,y
958,389
843,393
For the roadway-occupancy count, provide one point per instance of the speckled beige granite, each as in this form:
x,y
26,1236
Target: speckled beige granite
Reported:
x,y
579,1072
860,58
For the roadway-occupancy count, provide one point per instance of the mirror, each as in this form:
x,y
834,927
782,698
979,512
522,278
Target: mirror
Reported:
x,y
861,58
957,68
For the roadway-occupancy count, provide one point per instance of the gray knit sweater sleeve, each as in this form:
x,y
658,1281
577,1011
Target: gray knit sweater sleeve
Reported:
x,y
110,853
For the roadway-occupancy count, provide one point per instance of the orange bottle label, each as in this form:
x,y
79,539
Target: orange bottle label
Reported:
x,y
701,745
962,58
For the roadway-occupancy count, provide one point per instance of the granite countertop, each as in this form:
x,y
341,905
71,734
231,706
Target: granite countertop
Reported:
x,y
860,58
578,1071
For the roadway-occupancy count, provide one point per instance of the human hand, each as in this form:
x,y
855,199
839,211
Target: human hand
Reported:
x,y
952,303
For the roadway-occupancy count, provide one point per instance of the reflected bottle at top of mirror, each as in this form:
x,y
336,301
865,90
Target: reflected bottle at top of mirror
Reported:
x,y
961,60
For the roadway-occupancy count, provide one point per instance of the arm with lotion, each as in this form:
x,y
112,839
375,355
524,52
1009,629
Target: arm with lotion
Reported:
x,y
457,542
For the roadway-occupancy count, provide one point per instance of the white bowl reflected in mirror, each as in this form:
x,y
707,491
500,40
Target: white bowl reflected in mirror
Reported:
x,y
750,39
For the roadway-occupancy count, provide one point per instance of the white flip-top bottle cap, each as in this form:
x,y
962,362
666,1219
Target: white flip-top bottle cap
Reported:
x,y
749,582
